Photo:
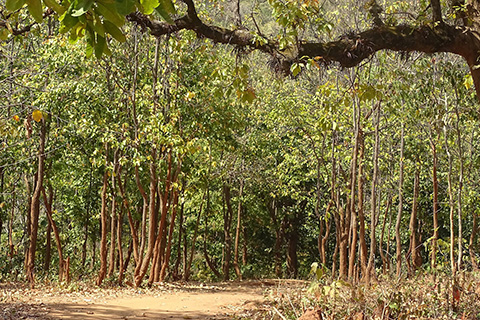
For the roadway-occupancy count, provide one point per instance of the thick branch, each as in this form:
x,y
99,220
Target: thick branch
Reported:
x,y
436,10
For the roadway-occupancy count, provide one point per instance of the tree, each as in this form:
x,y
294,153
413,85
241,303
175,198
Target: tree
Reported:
x,y
458,32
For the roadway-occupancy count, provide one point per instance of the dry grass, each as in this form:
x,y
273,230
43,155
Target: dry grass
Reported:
x,y
422,297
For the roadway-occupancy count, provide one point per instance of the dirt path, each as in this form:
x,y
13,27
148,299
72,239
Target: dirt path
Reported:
x,y
166,301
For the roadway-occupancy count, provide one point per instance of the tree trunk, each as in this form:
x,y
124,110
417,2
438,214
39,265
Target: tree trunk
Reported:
x,y
142,267
373,198
103,226
166,261
459,190
415,257
434,246
237,232
350,219
48,201
453,265
227,224
35,206
385,258
398,238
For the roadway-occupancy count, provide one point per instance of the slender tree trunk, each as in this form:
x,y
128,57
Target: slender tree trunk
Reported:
x,y
209,262
11,246
35,206
48,201
459,191
451,204
434,247
414,243
166,261
237,232
113,215
361,212
398,237
126,205
227,224
385,264
103,225
142,267
350,219
373,198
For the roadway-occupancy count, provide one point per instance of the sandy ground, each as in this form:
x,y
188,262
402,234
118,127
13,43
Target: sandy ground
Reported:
x,y
163,301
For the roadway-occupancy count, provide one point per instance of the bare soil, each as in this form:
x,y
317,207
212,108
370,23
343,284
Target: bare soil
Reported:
x,y
162,301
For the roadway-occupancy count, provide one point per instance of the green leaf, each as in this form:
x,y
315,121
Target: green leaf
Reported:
x,y
13,5
295,69
165,9
54,6
124,7
149,5
99,46
36,10
115,32
81,8
4,34
109,12
98,26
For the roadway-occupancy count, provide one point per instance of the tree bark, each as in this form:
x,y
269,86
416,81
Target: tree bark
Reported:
x,y
48,201
227,224
373,198
35,206
237,232
103,227
398,237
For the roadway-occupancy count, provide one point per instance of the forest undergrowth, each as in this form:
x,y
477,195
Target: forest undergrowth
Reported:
x,y
424,296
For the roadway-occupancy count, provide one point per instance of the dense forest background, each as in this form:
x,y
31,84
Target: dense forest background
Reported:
x,y
173,157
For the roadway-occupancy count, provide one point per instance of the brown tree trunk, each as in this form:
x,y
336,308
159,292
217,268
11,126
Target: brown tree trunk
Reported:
x,y
373,198
227,224
459,190
103,225
350,219
414,243
209,262
398,237
237,232
385,258
361,212
35,206
113,217
168,252
273,211
453,264
434,247
126,205
142,267
48,201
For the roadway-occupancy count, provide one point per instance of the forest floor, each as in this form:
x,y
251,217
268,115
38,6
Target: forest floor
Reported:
x,y
162,301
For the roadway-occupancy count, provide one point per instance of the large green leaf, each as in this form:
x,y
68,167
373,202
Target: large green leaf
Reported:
x,y
166,9
54,6
114,31
149,5
36,9
109,12
124,7
99,46
13,5
81,8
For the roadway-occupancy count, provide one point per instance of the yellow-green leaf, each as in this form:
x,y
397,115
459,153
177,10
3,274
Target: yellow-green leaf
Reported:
x,y
149,5
54,6
109,12
115,32
13,5
37,115
36,9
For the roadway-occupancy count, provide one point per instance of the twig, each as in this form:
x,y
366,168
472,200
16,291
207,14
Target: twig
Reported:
x,y
278,312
